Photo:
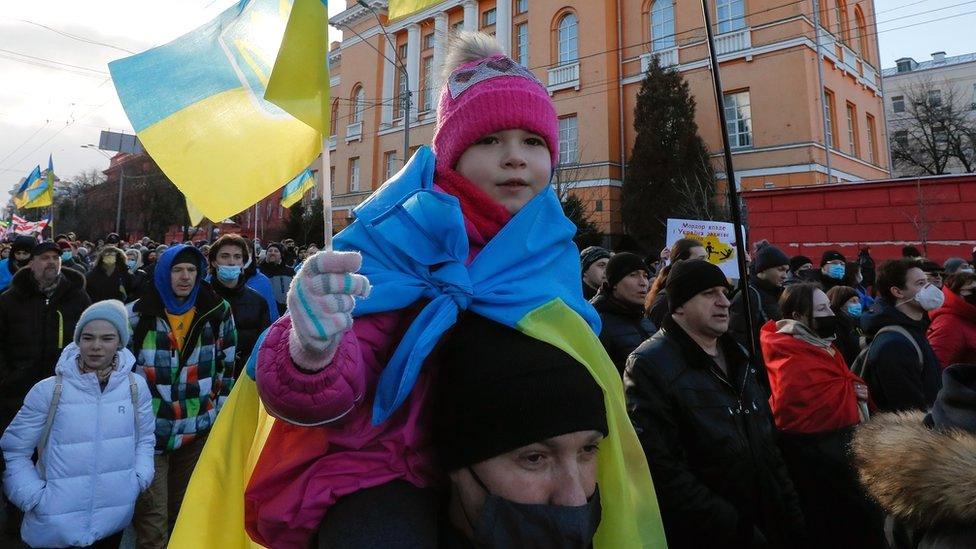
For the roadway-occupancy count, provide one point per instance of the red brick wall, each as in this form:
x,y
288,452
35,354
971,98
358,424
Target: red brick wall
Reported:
x,y
884,215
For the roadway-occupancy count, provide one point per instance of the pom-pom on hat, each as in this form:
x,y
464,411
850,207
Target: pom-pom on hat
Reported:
x,y
485,91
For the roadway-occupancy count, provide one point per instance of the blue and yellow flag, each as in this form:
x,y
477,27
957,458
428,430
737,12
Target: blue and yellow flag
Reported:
x,y
296,188
198,104
35,192
403,8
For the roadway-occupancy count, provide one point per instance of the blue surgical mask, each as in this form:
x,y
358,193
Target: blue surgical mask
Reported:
x,y
65,256
835,271
854,309
228,273
131,263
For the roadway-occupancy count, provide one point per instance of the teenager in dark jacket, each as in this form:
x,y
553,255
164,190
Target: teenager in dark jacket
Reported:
x,y
898,380
920,467
109,278
706,427
846,304
278,273
251,317
68,260
833,269
620,303
593,263
38,314
764,290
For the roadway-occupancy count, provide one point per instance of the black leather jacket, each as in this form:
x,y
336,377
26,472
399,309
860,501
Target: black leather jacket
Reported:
x,y
709,439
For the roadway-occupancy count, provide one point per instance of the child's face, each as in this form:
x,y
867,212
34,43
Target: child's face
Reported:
x,y
512,166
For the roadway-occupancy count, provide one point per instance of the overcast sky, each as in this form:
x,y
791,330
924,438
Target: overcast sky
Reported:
x,y
56,95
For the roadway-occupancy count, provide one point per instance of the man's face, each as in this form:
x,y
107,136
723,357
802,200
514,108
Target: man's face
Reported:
x,y
775,275
273,255
707,313
21,257
183,276
915,280
596,274
557,471
46,267
230,256
632,289
935,279
826,266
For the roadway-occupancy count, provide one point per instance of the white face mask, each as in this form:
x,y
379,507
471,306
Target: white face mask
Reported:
x,y
930,297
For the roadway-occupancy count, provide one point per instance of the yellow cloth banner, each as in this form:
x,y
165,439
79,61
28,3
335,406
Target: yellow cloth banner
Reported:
x,y
403,8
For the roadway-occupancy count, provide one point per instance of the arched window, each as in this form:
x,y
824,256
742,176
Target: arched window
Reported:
x,y
358,104
860,32
662,25
567,39
845,25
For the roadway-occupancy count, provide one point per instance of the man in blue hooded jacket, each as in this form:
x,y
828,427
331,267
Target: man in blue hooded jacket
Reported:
x,y
184,339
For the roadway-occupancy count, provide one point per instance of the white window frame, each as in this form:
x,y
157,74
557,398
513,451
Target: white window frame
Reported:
x,y
662,25
521,6
522,40
730,15
354,174
829,111
390,168
870,122
568,39
934,98
359,104
429,40
897,103
569,140
402,91
738,119
851,129
489,18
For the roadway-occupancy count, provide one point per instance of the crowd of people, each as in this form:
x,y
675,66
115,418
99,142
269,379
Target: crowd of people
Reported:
x,y
451,375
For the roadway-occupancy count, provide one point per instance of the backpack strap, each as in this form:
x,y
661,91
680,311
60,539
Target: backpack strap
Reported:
x,y
759,308
895,328
48,424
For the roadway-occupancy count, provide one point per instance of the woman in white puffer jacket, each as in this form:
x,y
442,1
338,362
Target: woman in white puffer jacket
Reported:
x,y
95,440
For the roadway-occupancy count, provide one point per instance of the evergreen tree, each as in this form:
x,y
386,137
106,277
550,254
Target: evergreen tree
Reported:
x,y
669,174
586,232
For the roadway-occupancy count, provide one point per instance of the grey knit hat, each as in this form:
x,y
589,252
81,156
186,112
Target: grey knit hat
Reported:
x,y
111,311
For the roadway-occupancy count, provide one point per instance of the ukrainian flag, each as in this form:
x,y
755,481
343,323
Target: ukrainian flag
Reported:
x,y
403,8
203,108
31,190
297,187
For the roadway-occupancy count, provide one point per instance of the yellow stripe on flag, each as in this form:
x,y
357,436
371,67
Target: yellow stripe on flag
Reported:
x,y
214,498
300,79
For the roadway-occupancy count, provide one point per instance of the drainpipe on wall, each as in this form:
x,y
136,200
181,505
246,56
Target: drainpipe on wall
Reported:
x,y
620,94
823,94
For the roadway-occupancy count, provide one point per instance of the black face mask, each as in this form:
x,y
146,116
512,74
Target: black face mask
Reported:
x,y
505,523
825,326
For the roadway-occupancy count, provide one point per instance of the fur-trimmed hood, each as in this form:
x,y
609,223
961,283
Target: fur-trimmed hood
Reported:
x,y
922,476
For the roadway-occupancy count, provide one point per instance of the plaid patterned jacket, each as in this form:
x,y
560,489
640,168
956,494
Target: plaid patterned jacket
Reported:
x,y
187,387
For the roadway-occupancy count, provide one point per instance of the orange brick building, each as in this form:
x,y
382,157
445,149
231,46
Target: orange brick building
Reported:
x,y
592,56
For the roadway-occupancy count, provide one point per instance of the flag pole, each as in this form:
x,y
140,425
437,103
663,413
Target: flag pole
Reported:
x,y
734,208
326,194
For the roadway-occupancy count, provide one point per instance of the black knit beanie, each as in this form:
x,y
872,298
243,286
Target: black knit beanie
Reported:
x,y
621,265
770,256
798,261
690,278
187,256
499,389
831,255
955,407
23,244
591,255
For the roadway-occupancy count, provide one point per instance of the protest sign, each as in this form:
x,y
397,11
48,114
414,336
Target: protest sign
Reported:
x,y
717,237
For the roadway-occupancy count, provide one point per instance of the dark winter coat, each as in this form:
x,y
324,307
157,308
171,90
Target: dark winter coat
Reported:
x,y
34,329
280,277
74,265
251,317
719,477
624,328
764,299
102,286
894,376
659,308
141,282
923,477
588,292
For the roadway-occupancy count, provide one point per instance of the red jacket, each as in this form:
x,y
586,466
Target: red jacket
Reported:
x,y
952,332
812,392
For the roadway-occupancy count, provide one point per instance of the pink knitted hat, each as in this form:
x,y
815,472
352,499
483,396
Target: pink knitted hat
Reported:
x,y
487,95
